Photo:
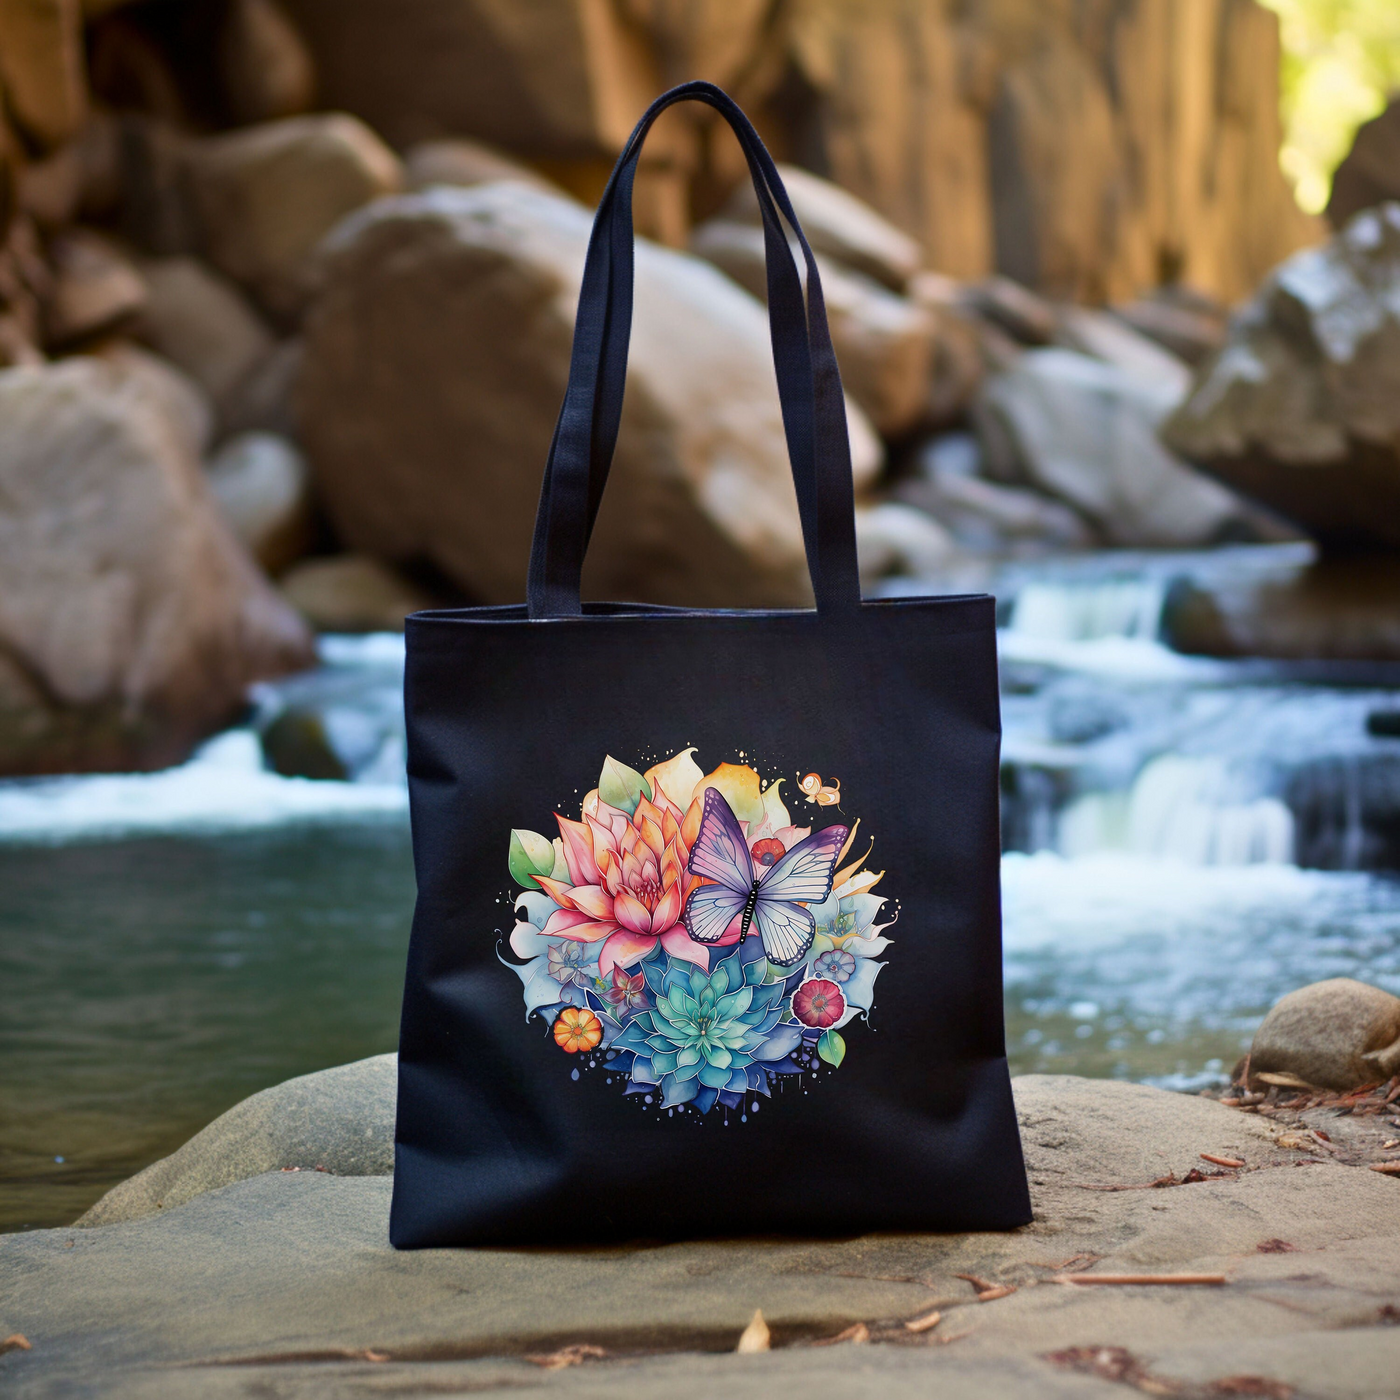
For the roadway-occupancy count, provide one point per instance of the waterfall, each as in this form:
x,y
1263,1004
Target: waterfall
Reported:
x,y
1087,611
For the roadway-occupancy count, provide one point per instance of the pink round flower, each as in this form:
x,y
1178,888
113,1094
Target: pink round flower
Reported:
x,y
818,1003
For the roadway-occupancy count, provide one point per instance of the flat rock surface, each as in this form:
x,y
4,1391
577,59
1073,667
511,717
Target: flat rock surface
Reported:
x,y
283,1284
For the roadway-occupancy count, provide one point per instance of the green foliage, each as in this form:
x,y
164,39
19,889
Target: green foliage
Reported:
x,y
622,787
530,854
1341,63
831,1047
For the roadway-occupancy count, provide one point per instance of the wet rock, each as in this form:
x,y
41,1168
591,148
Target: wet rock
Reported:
x,y
1345,609
1370,173
263,487
459,161
352,593
1085,431
341,1120
895,538
884,342
840,225
95,288
1346,812
297,745
266,195
447,320
1301,409
130,614
266,69
42,68
202,322
1337,1034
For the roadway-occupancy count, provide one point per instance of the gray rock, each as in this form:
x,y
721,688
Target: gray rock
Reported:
x,y
340,1120
1085,431
896,538
263,487
1115,342
302,1272
459,161
1301,408
1337,1034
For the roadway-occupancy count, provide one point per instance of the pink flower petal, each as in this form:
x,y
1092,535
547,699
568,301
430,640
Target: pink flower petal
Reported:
x,y
557,890
578,851
668,908
562,921
623,949
595,902
680,944
592,932
630,912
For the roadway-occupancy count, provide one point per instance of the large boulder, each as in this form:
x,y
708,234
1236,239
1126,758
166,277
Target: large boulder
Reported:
x,y
1301,408
1370,174
437,356
266,195
884,342
130,619
1085,431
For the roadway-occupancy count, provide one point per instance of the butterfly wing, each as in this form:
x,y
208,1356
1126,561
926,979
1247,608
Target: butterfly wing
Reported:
x,y
710,910
787,930
805,872
720,851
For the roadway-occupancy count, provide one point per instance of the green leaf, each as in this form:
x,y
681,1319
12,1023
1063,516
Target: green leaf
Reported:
x,y
622,787
530,854
831,1048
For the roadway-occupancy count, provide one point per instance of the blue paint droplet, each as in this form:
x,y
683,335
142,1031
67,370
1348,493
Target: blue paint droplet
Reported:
x,y
743,1117
574,1075
59,1160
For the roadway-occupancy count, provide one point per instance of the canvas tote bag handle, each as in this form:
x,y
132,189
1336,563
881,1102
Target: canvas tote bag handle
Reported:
x,y
809,386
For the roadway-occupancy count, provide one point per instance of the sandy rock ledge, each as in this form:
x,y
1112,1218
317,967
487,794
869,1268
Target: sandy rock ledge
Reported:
x,y
283,1283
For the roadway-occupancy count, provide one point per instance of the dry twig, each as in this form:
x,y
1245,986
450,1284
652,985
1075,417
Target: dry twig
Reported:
x,y
1221,1161
925,1322
1209,1280
16,1341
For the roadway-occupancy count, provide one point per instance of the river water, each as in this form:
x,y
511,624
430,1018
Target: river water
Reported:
x,y
1186,840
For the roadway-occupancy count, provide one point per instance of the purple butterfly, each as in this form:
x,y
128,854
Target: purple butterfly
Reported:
x,y
720,853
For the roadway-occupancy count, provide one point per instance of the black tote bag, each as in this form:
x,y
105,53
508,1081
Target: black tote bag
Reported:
x,y
707,939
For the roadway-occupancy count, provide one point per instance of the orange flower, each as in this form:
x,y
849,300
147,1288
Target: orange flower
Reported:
x,y
577,1029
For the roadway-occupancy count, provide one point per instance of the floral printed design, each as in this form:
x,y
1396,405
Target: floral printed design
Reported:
x,y
607,961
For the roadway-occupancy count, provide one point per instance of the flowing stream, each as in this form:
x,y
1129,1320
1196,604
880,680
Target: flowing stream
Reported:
x,y
1186,839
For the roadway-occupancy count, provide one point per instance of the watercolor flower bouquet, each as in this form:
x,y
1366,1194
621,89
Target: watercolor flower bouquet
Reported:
x,y
689,937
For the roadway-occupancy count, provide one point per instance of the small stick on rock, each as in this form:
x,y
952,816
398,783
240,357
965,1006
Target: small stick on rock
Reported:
x,y
987,1292
1389,1168
1209,1280
1221,1161
16,1341
925,1322
756,1336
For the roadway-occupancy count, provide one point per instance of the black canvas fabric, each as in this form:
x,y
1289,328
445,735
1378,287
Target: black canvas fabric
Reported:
x,y
875,1092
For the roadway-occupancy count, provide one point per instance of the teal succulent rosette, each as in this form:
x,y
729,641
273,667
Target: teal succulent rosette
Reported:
x,y
608,963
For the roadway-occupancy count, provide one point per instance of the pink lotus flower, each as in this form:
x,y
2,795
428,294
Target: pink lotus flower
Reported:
x,y
627,882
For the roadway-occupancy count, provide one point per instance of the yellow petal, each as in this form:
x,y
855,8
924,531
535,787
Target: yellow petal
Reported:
x,y
773,806
677,777
737,783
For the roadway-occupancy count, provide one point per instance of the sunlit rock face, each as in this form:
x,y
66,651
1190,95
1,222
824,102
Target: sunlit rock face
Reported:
x,y
1301,407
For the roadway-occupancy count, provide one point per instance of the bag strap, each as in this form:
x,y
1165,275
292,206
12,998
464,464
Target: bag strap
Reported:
x,y
809,385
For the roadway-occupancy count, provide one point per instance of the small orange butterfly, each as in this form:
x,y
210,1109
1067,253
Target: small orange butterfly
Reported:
x,y
824,794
